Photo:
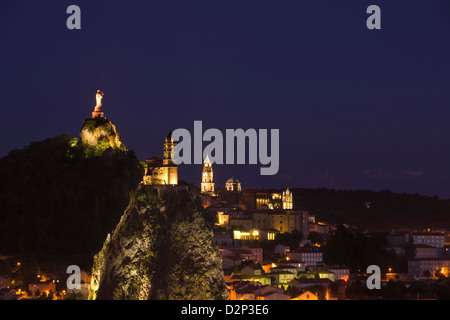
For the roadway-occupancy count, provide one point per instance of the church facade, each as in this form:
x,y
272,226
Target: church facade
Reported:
x,y
162,171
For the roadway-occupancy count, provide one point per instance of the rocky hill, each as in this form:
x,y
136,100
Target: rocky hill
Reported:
x,y
162,249
99,134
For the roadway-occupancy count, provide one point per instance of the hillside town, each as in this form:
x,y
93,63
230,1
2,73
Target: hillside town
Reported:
x,y
272,251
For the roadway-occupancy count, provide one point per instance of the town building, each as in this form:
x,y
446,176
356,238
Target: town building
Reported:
x,y
398,238
10,294
233,184
319,227
302,284
427,251
248,290
256,199
306,295
41,287
320,273
244,290
289,264
255,234
233,257
281,278
311,257
260,278
4,283
341,272
255,250
427,267
282,249
264,219
434,239
272,295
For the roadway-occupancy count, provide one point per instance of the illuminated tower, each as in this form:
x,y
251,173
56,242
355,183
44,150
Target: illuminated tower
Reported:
x,y
169,144
287,199
207,184
171,169
162,171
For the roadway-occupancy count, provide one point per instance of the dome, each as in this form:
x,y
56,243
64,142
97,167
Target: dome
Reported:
x,y
233,180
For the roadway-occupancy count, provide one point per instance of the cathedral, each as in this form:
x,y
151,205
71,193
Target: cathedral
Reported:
x,y
252,199
162,171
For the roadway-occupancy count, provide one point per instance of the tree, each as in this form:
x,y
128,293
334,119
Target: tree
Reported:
x,y
56,200
293,291
291,239
426,274
410,249
315,237
357,251
439,274
394,290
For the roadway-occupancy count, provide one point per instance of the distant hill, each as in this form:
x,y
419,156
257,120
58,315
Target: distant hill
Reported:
x,y
374,210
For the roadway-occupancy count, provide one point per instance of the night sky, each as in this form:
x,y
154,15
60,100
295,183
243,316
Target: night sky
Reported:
x,y
356,108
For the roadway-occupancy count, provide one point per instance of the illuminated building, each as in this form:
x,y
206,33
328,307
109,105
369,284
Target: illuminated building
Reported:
x,y
41,287
233,184
340,272
162,171
434,239
281,277
417,267
267,199
207,185
255,234
279,220
311,256
287,199
307,295
223,218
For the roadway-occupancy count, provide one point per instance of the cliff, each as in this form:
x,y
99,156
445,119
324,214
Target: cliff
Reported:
x,y
162,249
99,134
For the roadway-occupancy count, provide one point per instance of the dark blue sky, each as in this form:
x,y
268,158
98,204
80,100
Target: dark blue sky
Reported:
x,y
356,109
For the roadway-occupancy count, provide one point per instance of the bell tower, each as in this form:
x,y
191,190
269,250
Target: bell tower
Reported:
x,y
169,144
207,185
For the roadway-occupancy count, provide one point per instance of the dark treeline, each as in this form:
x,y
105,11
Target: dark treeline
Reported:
x,y
383,210
358,251
55,200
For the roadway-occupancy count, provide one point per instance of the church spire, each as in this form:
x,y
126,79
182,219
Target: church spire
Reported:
x,y
207,161
207,185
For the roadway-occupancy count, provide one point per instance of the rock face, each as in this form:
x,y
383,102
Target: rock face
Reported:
x,y
162,249
100,134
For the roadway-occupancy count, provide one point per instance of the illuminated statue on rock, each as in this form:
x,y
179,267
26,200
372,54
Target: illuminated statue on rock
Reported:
x,y
97,112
